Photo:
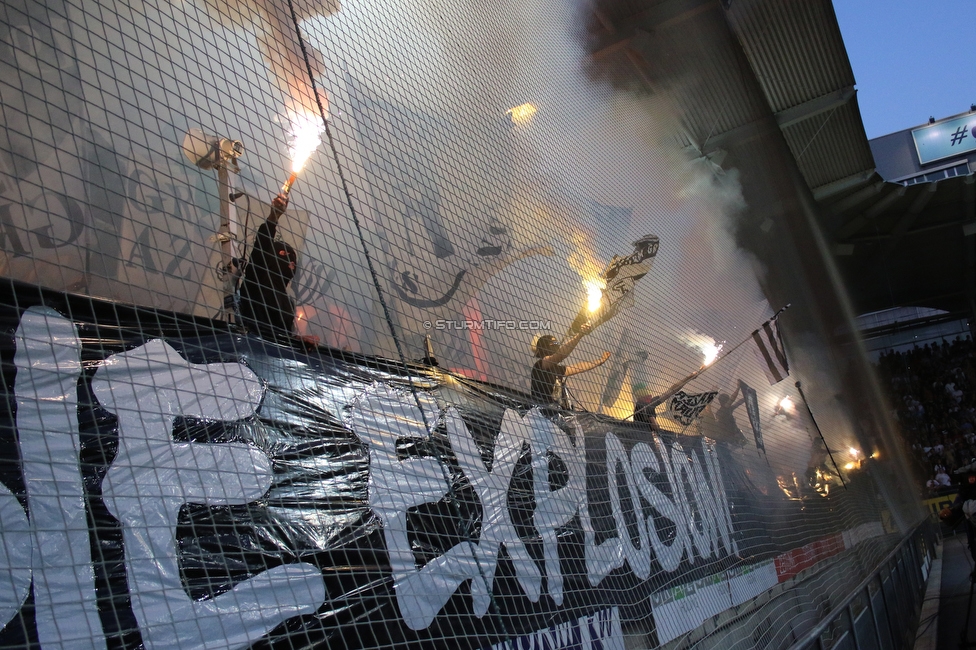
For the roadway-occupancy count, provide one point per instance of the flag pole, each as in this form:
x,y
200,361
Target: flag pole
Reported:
x,y
820,433
746,340
680,384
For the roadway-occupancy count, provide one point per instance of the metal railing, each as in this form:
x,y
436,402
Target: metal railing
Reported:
x,y
882,611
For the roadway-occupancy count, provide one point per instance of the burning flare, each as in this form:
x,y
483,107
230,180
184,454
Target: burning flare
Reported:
x,y
306,131
594,293
706,344
584,261
522,114
711,352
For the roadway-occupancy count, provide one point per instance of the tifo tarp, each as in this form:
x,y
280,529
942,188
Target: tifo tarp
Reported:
x,y
167,481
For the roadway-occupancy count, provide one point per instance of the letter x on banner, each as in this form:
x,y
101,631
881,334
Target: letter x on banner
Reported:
x,y
771,353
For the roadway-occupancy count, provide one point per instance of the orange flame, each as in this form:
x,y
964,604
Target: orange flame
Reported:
x,y
584,261
522,114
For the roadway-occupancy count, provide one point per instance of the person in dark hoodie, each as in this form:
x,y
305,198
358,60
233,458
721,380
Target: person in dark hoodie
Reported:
x,y
266,307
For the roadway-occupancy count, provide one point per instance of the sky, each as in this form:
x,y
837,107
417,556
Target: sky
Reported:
x,y
911,58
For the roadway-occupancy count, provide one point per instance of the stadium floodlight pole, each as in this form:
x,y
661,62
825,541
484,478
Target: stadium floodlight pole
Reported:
x,y
212,152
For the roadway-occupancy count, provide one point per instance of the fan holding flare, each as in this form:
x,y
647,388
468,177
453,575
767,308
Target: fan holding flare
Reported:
x,y
547,373
265,306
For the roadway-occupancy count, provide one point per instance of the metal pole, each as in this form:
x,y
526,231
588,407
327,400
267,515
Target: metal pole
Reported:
x,y
874,615
887,606
820,433
228,217
740,343
964,641
850,617
812,635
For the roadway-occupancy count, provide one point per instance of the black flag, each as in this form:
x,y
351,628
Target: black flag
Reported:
x,y
621,276
752,408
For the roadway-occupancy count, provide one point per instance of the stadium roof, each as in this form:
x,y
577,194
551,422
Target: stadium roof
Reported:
x,y
897,240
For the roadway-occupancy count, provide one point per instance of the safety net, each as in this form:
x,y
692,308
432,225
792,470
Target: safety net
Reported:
x,y
496,368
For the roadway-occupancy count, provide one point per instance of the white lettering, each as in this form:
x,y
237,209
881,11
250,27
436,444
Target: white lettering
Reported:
x,y
701,490
492,489
723,512
381,417
603,558
152,477
680,501
15,556
639,559
684,481
598,631
554,508
48,361
668,555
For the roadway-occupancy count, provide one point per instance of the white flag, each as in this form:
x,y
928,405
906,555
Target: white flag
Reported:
x,y
770,351
621,276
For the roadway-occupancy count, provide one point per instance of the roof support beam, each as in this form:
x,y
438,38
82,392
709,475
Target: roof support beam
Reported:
x,y
907,220
816,106
786,118
856,198
660,15
824,192
861,220
738,135
915,231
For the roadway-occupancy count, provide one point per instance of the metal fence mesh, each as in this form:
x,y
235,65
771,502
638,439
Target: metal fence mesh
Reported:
x,y
174,476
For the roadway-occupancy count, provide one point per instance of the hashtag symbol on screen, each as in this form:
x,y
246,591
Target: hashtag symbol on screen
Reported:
x,y
959,135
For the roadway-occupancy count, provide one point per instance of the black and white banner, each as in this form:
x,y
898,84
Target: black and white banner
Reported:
x,y
166,482
621,276
684,408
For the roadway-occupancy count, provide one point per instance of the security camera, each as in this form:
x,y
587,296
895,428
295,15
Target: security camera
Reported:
x,y
210,152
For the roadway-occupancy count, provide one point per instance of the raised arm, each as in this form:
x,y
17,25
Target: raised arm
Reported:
x,y
734,404
673,390
264,238
565,349
278,206
583,366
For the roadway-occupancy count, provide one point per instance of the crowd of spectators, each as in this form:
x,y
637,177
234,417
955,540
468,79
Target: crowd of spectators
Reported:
x,y
933,389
